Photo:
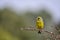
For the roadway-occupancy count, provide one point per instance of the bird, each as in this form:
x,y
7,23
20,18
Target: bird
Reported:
x,y
39,24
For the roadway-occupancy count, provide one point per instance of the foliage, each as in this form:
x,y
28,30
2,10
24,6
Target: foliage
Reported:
x,y
11,22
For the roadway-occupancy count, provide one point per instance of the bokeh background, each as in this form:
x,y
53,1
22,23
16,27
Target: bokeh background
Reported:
x,y
15,14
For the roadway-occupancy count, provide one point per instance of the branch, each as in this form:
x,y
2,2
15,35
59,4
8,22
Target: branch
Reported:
x,y
53,35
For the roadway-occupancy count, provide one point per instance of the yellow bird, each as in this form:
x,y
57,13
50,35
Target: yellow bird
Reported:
x,y
39,24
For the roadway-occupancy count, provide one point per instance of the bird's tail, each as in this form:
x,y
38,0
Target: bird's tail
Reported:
x,y
39,32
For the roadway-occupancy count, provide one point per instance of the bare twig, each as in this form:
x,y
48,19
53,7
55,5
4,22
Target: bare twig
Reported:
x,y
53,35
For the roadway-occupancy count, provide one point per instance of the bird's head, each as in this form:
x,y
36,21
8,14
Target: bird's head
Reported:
x,y
39,18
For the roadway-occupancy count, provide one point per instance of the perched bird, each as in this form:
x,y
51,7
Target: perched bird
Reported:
x,y
39,24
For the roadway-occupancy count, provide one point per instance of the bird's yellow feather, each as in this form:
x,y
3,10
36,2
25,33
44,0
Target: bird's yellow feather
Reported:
x,y
39,23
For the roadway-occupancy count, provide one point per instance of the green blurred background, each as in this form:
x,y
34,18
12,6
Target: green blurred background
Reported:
x,y
12,20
